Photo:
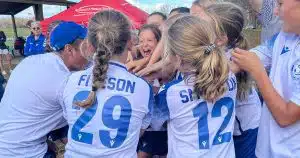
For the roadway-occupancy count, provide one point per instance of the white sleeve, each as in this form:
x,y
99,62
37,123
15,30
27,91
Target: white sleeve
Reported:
x,y
61,96
265,55
295,94
264,51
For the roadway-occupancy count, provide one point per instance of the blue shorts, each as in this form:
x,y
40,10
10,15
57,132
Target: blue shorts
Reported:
x,y
245,144
154,143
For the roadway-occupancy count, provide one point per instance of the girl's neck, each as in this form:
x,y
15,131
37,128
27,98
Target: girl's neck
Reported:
x,y
120,58
36,37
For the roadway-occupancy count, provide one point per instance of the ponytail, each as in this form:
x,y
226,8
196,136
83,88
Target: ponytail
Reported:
x,y
99,75
230,20
211,74
109,33
191,38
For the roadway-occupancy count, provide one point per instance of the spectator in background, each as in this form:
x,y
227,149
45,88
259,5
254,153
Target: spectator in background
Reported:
x,y
19,45
156,18
4,53
35,43
179,10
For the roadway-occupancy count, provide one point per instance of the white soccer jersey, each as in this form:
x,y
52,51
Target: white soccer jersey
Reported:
x,y
30,107
248,113
111,126
158,120
274,141
197,128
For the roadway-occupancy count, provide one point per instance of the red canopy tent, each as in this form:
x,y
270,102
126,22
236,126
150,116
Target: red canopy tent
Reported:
x,y
82,11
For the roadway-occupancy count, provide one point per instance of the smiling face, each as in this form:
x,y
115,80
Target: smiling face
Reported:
x,y
147,42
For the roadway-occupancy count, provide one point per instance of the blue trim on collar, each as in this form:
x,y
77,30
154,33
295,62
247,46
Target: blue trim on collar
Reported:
x,y
117,64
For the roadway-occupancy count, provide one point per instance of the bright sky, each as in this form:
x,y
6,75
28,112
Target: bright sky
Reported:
x,y
147,5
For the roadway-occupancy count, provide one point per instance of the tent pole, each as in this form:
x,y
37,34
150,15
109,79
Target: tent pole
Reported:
x,y
38,12
14,25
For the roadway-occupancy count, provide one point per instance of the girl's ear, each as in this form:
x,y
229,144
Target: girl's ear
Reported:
x,y
222,41
86,49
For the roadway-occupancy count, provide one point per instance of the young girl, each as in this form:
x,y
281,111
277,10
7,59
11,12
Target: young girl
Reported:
x,y
197,8
230,20
149,35
278,133
154,140
156,69
200,108
104,106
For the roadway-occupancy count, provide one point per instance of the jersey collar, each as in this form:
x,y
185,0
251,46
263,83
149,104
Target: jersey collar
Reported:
x,y
118,64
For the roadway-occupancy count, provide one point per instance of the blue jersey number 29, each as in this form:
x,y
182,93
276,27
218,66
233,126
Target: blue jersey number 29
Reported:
x,y
121,124
201,111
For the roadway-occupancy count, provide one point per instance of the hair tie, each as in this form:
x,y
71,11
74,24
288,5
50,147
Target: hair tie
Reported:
x,y
209,49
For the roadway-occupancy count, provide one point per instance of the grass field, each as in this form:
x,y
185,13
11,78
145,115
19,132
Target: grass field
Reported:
x,y
24,32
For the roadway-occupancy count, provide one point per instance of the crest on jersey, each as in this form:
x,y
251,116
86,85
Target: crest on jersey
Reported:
x,y
296,70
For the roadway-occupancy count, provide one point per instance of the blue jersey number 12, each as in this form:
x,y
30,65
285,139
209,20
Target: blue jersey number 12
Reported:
x,y
121,124
201,111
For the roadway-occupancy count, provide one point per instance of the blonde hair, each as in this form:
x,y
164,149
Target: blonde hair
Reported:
x,y
108,32
229,19
193,41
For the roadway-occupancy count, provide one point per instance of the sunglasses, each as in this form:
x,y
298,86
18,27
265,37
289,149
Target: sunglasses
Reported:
x,y
36,28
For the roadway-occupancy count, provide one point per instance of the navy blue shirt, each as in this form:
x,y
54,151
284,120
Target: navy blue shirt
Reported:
x,y
33,47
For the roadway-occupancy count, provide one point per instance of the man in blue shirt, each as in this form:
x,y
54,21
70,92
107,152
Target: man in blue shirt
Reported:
x,y
35,43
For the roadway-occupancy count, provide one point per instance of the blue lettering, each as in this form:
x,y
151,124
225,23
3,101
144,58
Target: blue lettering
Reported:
x,y
87,81
130,86
191,94
121,85
111,83
184,96
82,78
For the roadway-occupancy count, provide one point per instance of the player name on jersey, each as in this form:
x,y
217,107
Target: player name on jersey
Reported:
x,y
113,83
187,95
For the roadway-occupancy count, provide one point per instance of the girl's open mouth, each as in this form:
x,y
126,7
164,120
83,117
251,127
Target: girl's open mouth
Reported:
x,y
147,52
